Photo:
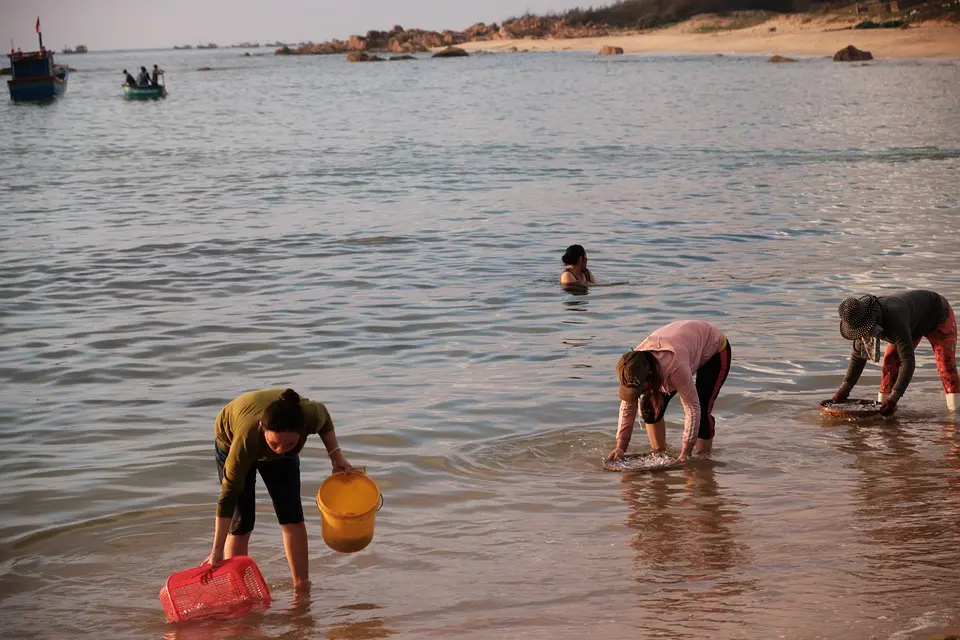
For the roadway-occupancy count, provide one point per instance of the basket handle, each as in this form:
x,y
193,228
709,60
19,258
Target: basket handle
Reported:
x,y
205,576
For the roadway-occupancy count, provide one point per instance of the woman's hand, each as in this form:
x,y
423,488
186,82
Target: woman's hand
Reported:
x,y
682,457
215,558
339,462
888,407
616,454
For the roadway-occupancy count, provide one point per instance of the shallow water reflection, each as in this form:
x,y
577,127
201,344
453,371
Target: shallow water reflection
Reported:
x,y
686,546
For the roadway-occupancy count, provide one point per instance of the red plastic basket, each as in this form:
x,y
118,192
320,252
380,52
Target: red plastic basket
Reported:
x,y
201,591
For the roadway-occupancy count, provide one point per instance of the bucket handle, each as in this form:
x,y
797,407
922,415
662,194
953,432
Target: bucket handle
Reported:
x,y
360,470
381,502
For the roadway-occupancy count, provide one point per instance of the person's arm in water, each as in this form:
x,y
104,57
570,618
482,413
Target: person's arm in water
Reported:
x,y
854,370
904,344
687,390
221,528
628,415
243,453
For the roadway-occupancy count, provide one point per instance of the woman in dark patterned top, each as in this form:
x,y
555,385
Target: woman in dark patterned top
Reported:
x,y
902,320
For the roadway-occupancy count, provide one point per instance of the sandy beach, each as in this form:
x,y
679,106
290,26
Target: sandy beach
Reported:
x,y
802,35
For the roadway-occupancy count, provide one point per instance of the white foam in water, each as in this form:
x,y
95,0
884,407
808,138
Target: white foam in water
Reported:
x,y
642,462
853,407
924,622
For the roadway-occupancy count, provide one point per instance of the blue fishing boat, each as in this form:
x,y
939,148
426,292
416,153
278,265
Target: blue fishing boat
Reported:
x,y
36,77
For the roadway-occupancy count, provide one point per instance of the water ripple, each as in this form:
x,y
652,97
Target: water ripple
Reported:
x,y
397,259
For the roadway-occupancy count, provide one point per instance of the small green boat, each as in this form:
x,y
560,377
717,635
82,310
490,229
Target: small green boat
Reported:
x,y
144,93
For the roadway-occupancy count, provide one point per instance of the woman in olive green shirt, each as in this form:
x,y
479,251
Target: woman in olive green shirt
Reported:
x,y
264,431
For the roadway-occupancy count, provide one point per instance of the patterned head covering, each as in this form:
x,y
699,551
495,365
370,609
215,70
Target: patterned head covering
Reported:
x,y
632,370
860,322
859,317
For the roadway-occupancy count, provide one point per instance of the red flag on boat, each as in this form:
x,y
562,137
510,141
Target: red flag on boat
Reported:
x,y
38,24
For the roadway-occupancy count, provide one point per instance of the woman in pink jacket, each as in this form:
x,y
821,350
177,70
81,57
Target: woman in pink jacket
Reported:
x,y
688,357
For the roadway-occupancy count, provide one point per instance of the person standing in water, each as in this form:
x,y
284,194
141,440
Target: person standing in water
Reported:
x,y
902,320
687,357
575,272
264,431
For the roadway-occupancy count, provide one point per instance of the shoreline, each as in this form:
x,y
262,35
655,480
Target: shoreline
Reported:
x,y
797,34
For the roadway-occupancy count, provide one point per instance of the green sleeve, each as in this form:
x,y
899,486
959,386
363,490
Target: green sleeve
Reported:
x,y
242,456
317,417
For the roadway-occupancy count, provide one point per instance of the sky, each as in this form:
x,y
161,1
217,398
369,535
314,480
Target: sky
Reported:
x,y
143,24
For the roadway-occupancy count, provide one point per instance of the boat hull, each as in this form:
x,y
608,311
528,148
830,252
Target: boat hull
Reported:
x,y
144,93
36,89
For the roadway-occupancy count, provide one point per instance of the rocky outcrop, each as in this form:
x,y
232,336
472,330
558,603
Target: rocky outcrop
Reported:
x,y
549,28
400,40
852,54
451,52
607,50
322,48
482,32
361,56
397,40
413,41
779,59
357,43
403,57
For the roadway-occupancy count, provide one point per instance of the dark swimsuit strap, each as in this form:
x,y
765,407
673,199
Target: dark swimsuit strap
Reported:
x,y
583,277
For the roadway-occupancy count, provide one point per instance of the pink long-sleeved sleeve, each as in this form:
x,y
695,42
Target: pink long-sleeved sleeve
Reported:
x,y
628,415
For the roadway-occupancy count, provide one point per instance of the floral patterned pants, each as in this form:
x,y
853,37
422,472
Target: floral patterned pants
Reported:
x,y
943,339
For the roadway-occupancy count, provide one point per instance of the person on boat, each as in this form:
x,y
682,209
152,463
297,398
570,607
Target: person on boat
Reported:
x,y
155,77
902,320
575,272
130,80
264,431
687,357
143,80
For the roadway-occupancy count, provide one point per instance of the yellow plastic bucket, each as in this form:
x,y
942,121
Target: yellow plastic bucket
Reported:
x,y
348,505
